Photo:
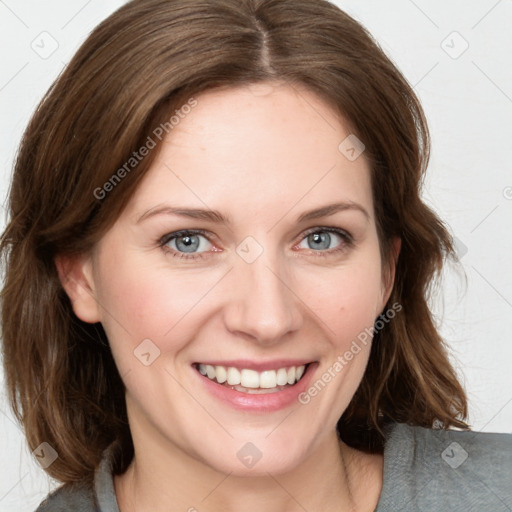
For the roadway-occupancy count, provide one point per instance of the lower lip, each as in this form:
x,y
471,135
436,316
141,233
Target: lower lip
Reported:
x,y
264,402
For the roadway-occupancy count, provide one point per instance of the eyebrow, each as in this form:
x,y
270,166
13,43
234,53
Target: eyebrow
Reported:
x,y
331,209
217,217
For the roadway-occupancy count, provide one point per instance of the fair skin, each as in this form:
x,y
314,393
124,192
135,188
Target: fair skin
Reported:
x,y
261,157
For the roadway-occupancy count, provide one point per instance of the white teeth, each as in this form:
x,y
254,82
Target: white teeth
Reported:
x,y
234,377
221,373
268,379
210,371
249,379
282,377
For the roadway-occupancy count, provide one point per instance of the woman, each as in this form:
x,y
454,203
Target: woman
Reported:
x,y
217,265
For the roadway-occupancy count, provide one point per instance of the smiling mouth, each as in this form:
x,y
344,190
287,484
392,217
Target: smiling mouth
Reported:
x,y
251,381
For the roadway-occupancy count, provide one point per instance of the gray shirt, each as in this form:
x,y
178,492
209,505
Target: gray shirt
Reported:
x,y
424,470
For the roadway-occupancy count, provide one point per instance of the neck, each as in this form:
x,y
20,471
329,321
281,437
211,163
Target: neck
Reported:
x,y
333,478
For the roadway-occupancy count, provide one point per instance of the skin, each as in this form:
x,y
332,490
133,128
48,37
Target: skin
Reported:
x,y
261,156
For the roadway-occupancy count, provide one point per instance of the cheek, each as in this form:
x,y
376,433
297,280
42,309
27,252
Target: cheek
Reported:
x,y
143,300
347,299
348,304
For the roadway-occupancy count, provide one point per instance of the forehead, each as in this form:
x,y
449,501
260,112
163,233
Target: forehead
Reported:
x,y
255,150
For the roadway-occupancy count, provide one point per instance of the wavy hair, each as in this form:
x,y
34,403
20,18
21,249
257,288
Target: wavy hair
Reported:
x,y
134,70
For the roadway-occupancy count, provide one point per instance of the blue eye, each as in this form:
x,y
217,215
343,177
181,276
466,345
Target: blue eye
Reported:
x,y
325,239
187,242
195,244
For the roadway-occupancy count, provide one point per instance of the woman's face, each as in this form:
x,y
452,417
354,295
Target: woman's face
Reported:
x,y
250,247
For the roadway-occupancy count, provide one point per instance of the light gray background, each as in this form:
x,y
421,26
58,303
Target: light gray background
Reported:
x,y
467,96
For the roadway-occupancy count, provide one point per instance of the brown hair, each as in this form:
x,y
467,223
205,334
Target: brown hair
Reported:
x,y
136,67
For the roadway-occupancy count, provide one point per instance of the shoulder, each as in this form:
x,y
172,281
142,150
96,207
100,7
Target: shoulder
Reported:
x,y
95,496
424,469
79,497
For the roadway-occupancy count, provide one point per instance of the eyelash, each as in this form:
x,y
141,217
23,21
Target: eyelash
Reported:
x,y
347,238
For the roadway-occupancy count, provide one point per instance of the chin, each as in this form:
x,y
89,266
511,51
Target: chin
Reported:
x,y
256,458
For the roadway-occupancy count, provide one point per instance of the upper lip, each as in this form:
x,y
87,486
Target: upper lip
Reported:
x,y
259,366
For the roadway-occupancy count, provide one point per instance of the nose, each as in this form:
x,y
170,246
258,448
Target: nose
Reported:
x,y
263,306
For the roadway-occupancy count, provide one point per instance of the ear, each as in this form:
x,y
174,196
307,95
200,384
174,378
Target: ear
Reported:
x,y
76,276
389,270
